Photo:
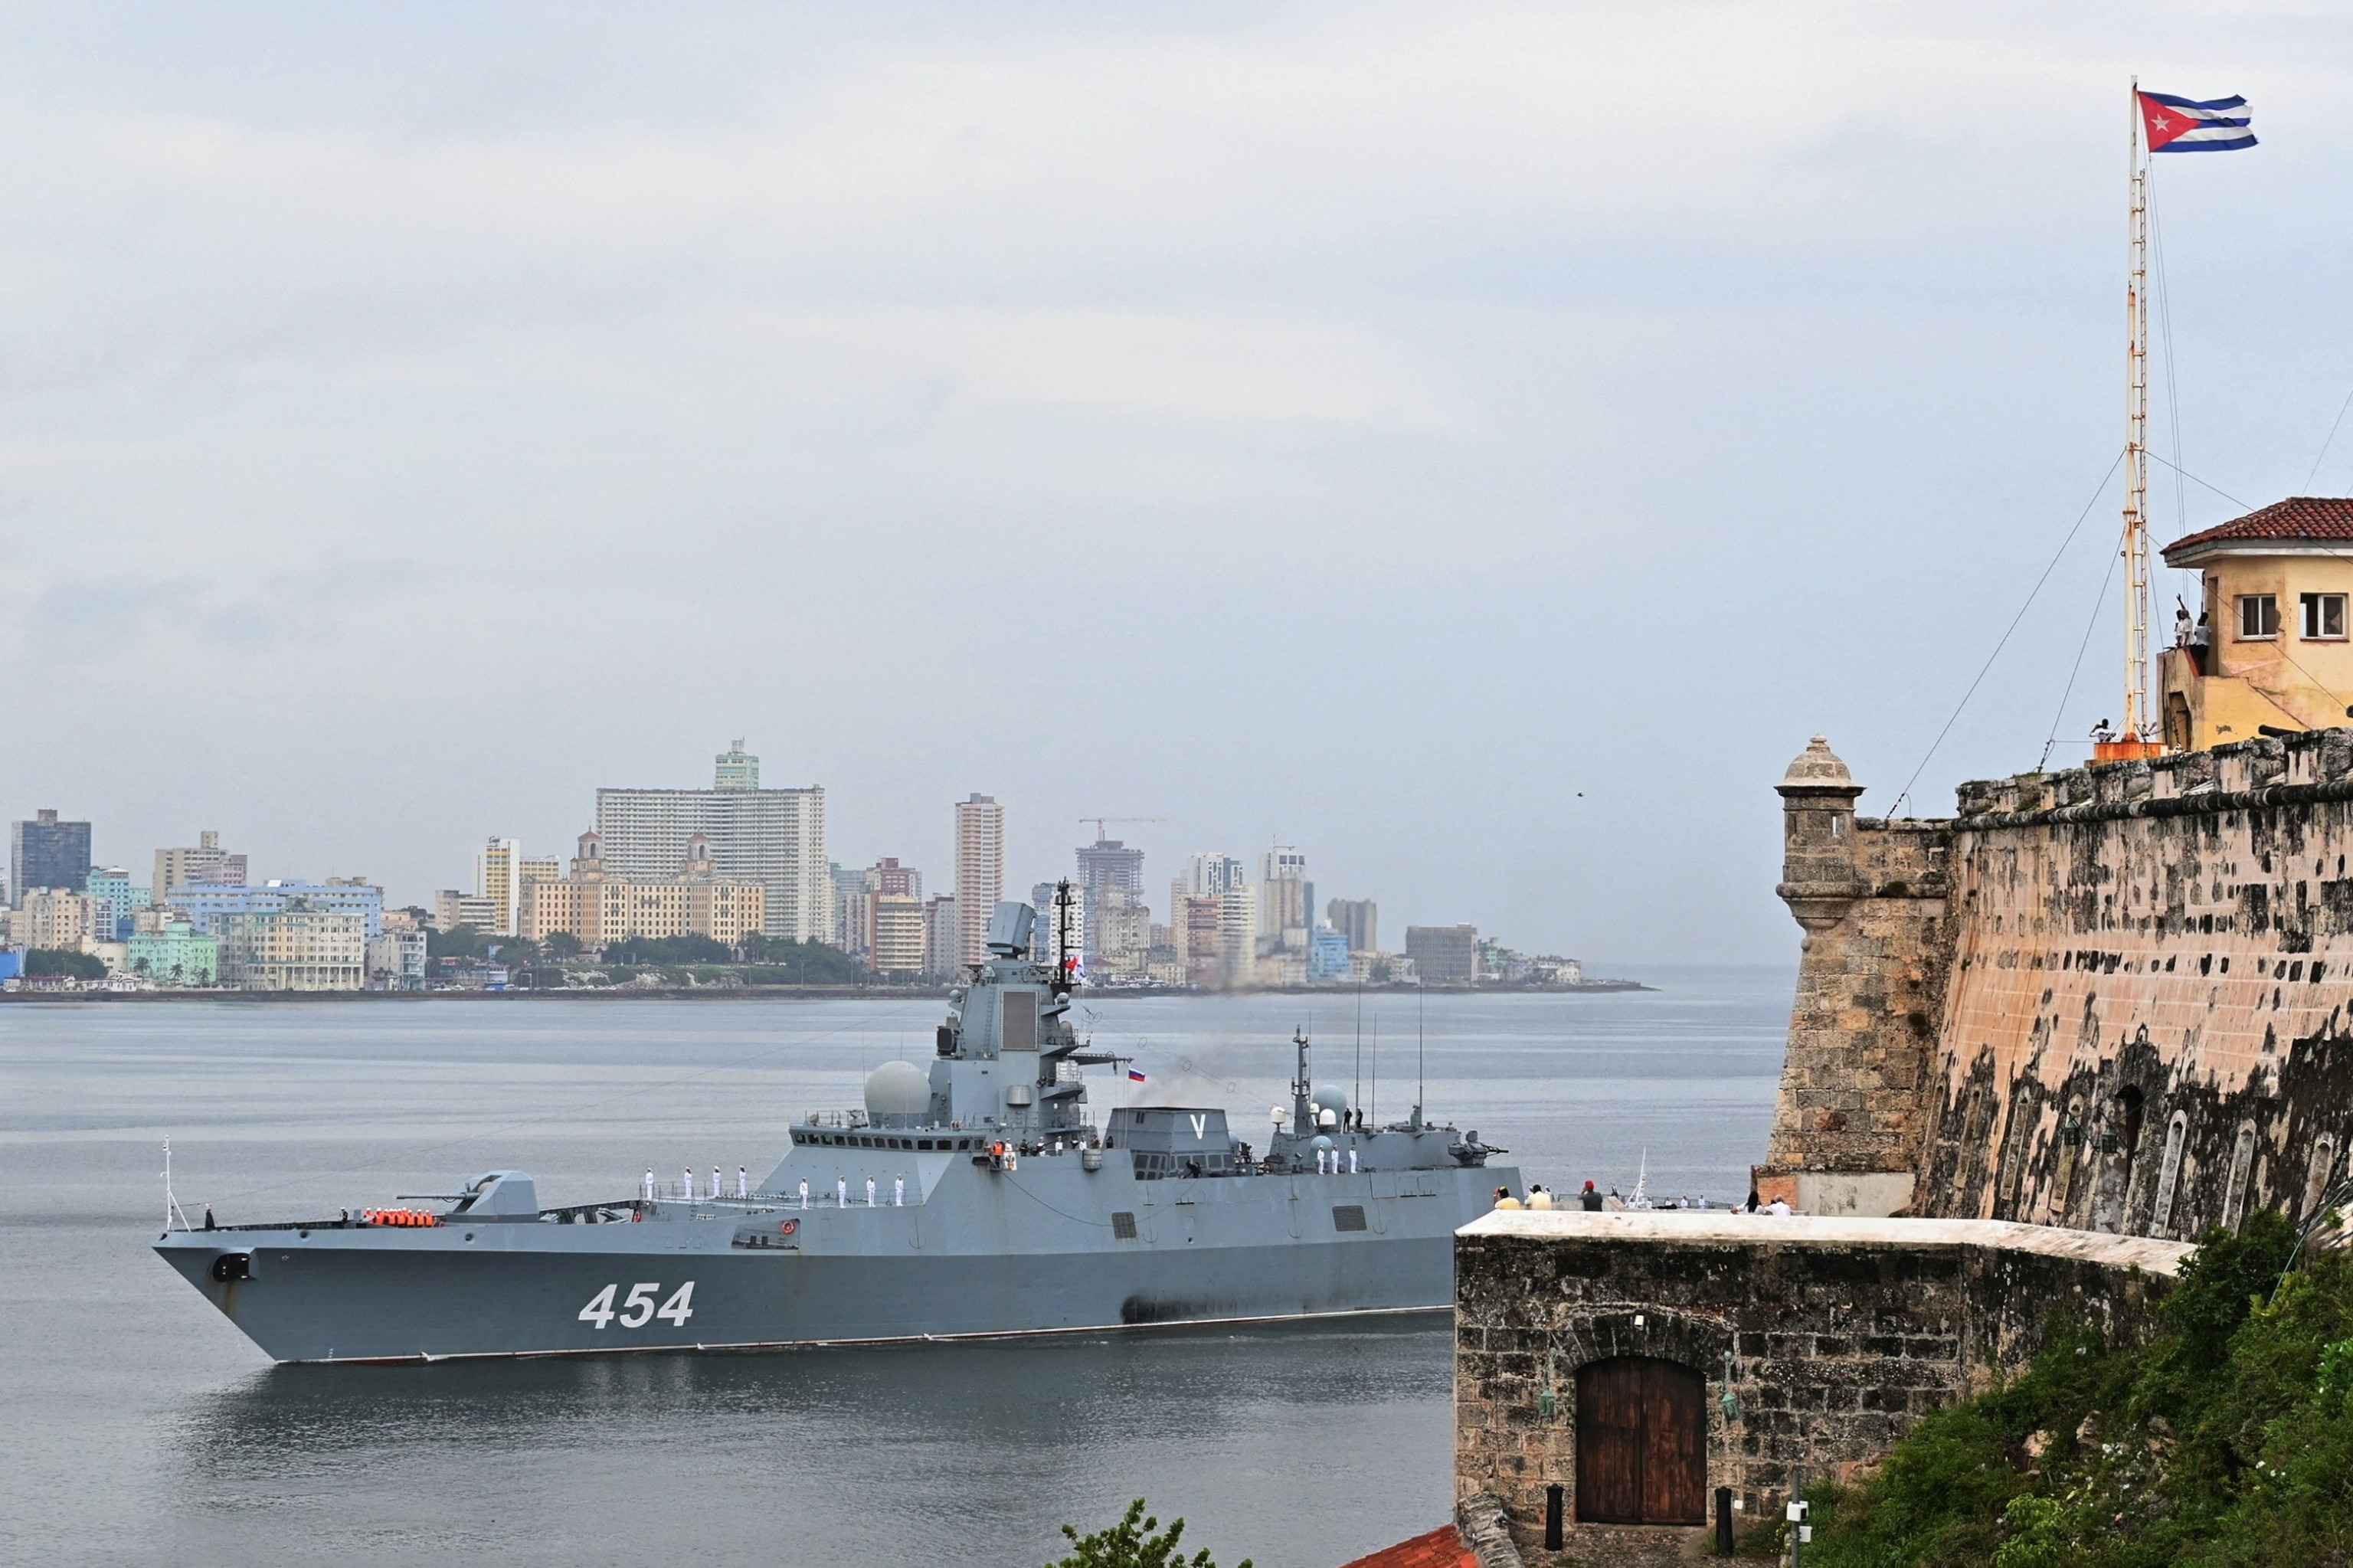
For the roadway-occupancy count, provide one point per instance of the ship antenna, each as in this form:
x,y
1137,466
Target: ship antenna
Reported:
x,y
1061,983
1357,1091
1421,1096
171,1204
1376,1069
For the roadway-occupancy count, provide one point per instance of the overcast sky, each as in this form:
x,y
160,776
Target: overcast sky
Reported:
x,y
1476,444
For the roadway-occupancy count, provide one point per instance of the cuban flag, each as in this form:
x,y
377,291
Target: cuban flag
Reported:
x,y
1134,1077
2186,125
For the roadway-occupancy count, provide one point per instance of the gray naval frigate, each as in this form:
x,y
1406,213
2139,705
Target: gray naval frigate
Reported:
x,y
978,1198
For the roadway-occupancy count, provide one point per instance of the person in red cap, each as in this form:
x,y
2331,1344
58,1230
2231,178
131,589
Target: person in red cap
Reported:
x,y
1591,1199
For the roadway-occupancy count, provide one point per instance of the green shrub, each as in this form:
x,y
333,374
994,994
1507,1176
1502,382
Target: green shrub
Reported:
x,y
2222,1441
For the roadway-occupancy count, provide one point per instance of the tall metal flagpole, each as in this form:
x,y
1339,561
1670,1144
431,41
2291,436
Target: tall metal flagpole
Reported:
x,y
2136,724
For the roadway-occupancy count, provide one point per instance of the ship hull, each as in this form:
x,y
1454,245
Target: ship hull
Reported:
x,y
974,1253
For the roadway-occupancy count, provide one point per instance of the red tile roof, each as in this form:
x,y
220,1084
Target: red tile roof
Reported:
x,y
1441,1548
2318,517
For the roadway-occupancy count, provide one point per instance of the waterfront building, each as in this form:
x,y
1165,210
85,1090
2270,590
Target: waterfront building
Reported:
x,y
1443,955
46,853
1119,933
775,838
1327,955
207,862
1107,864
52,917
1193,934
396,961
206,903
598,907
118,899
1044,941
896,920
1380,969
1208,876
174,952
979,873
497,878
943,938
1237,935
1286,903
1357,919
294,947
452,909
852,931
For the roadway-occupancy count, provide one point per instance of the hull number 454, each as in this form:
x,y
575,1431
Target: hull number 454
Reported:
x,y
637,1309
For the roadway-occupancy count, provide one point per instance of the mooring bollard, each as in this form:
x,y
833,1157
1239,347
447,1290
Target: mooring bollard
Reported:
x,y
1552,1519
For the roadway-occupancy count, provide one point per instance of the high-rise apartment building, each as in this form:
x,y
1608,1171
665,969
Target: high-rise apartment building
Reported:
x,y
1045,939
897,921
736,768
1359,920
1107,864
943,938
772,837
46,853
1193,932
1237,935
1209,876
979,873
50,917
1286,911
207,862
498,877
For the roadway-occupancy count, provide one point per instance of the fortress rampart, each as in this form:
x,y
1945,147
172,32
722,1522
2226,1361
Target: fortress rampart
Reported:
x,y
2117,998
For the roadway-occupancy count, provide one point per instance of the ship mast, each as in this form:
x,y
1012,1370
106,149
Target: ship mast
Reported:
x,y
2136,725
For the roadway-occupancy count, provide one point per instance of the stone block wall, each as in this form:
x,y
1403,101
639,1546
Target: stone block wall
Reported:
x,y
1833,1335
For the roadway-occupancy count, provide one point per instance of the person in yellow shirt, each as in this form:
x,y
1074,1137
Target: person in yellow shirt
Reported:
x,y
1503,1198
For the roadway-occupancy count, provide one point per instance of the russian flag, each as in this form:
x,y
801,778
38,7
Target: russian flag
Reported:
x,y
2186,125
1134,1077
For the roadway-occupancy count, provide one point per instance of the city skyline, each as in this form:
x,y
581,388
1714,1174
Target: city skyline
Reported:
x,y
1394,456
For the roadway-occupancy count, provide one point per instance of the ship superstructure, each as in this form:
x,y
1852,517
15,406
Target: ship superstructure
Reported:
x,y
975,1197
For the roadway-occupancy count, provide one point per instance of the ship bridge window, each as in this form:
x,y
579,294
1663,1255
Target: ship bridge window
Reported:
x,y
2321,615
2258,617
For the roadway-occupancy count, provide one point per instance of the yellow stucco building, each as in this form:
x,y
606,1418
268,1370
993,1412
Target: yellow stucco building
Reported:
x,y
2272,652
599,909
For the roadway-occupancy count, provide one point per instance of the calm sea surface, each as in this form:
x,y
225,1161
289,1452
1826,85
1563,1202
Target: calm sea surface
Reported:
x,y
143,1428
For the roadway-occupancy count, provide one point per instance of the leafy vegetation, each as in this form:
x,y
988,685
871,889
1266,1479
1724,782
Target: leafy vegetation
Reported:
x,y
2223,1441
1136,1542
64,961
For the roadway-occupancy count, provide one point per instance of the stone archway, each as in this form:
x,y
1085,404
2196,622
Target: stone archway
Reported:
x,y
1642,1442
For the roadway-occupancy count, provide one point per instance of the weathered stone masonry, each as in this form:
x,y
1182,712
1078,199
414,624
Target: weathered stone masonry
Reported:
x,y
2123,993
1841,1332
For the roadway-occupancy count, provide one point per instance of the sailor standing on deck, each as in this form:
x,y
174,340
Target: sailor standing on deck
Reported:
x,y
714,1182
649,1183
869,1191
842,1192
688,1182
804,1191
898,1191
742,1182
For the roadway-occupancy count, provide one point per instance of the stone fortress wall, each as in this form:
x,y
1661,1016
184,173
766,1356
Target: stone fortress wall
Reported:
x,y
2035,1048
2117,998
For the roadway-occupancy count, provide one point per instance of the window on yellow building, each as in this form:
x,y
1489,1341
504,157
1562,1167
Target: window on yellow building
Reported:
x,y
2322,615
2258,616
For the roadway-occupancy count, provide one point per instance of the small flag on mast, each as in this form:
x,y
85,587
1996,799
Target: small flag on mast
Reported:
x,y
2186,125
1134,1077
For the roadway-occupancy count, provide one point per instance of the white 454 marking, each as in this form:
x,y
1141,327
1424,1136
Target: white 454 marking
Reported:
x,y
638,1310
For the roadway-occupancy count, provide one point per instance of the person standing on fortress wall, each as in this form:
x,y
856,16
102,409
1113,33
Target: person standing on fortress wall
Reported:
x,y
1591,1199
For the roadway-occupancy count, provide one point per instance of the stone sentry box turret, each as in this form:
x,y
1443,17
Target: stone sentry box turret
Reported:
x,y
1871,897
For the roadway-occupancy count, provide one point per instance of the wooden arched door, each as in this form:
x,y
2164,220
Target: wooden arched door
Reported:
x,y
1642,1443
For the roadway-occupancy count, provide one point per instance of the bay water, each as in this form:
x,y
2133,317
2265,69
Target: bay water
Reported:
x,y
145,1428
